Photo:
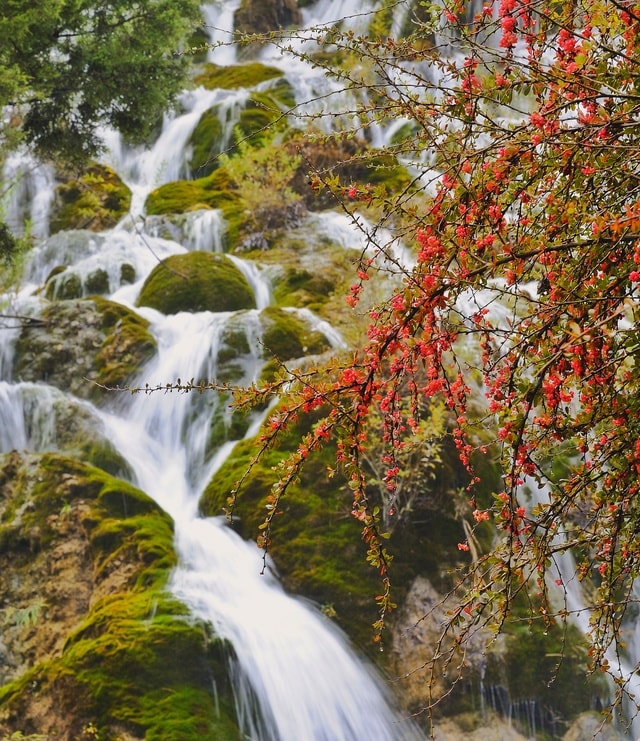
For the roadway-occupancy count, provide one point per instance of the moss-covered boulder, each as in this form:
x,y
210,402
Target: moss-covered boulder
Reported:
x,y
80,344
63,283
286,335
96,200
93,645
263,16
196,281
216,190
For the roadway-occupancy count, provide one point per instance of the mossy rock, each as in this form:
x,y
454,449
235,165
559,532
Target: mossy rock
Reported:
x,y
257,122
301,287
96,200
262,112
83,345
127,274
196,281
207,143
226,424
64,284
113,651
213,191
214,77
317,544
72,426
263,16
286,336
234,351
308,270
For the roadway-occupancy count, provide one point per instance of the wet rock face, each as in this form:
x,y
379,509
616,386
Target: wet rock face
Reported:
x,y
262,16
83,343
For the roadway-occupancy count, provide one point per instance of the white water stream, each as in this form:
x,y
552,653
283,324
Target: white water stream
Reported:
x,y
295,676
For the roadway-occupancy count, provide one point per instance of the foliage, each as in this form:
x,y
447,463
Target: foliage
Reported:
x,y
517,309
76,65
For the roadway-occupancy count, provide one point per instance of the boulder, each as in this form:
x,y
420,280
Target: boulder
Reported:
x,y
81,346
196,281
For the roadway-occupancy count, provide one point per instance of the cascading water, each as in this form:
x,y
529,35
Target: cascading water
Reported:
x,y
295,676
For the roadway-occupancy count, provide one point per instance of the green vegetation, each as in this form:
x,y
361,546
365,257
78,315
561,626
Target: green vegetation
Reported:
x,y
207,143
286,336
214,77
67,68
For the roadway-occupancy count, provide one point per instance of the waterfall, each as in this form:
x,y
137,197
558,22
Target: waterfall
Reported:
x,y
567,591
295,676
26,194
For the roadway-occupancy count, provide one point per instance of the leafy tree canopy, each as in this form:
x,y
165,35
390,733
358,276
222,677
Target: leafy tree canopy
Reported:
x,y
69,66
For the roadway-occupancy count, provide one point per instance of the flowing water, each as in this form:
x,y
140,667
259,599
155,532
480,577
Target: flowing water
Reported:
x,y
295,676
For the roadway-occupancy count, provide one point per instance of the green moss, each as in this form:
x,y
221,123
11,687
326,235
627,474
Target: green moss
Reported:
x,y
226,424
127,346
286,336
97,282
316,542
196,281
262,112
127,274
96,200
135,661
304,288
102,454
248,75
63,285
207,142
213,191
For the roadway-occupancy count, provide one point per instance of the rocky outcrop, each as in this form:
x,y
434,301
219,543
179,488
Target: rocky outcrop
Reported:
x,y
196,281
96,200
82,346
91,642
263,16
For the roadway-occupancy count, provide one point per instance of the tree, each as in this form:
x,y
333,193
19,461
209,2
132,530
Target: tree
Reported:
x,y
74,65
518,309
